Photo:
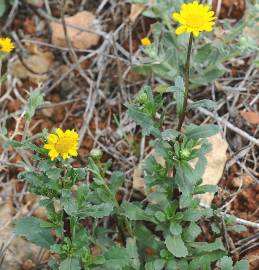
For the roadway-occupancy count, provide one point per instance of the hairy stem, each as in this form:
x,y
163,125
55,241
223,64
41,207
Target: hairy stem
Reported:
x,y
186,82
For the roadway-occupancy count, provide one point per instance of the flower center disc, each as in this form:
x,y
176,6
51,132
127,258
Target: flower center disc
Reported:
x,y
195,21
63,145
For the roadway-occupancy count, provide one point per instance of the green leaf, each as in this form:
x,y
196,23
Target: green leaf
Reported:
x,y
203,131
96,211
176,246
184,178
158,264
30,228
116,258
241,265
94,169
207,247
54,173
45,165
185,200
204,103
205,188
160,216
70,264
134,212
226,263
2,7
35,100
175,228
191,232
117,180
192,214
141,119
170,135
203,262
132,250
236,228
215,228
208,75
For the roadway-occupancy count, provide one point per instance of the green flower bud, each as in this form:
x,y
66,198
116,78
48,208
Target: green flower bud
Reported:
x,y
185,153
96,154
142,98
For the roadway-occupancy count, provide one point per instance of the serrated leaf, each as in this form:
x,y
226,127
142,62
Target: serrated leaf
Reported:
x,y
134,212
30,228
2,8
116,258
35,100
236,228
141,119
94,169
184,178
203,131
195,214
117,180
226,263
191,232
54,173
207,247
203,262
241,265
175,228
96,211
70,264
204,103
205,188
176,246
170,135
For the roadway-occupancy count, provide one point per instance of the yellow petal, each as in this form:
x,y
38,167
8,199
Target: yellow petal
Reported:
x,y
65,156
73,152
195,33
145,41
48,146
176,16
72,134
53,154
180,30
52,138
60,132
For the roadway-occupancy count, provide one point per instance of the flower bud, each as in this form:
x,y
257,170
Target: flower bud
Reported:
x,y
96,154
142,98
185,153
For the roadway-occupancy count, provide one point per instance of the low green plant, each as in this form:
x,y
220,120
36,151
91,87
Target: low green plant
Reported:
x,y
89,228
166,59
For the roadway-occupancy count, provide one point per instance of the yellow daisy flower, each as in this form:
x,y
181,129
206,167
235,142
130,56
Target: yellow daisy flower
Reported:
x,y
145,41
6,45
62,143
194,18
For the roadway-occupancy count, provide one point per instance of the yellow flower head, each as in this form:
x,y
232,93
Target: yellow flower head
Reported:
x,y
194,18
145,41
62,143
6,45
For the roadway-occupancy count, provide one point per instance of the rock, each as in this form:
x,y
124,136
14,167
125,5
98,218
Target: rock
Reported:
x,y
212,175
35,67
79,39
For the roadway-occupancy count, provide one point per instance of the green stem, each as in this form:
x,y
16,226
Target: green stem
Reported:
x,y
125,221
186,82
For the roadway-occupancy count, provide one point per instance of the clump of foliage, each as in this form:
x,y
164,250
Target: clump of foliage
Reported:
x,y
157,233
167,58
